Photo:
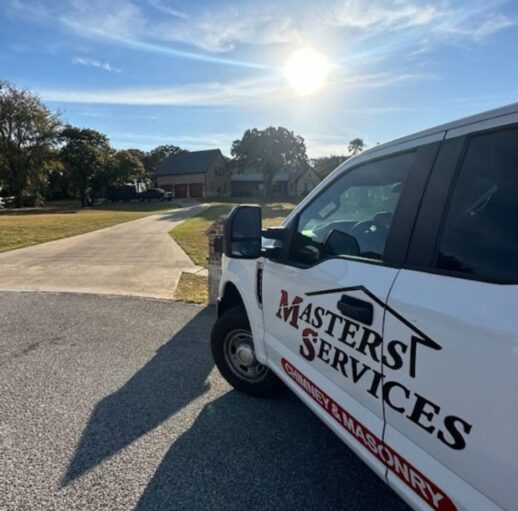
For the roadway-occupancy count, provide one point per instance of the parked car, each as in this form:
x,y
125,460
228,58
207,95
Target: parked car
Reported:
x,y
121,193
28,201
387,302
156,194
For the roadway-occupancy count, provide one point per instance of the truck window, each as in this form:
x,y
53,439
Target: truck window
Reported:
x,y
480,235
353,215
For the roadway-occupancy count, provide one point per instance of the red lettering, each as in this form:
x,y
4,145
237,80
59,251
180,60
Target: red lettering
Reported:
x,y
418,482
286,311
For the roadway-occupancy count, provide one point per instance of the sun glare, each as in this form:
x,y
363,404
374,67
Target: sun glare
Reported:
x,y
306,70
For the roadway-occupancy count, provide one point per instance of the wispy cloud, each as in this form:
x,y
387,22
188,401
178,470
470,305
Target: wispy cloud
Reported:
x,y
119,21
125,23
214,29
202,94
251,92
477,31
95,63
224,28
382,16
385,79
167,8
191,142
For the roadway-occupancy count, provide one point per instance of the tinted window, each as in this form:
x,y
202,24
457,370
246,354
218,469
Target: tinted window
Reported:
x,y
352,217
480,236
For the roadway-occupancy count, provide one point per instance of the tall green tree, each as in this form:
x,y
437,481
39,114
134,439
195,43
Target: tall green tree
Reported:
x,y
127,167
356,146
87,155
326,164
269,151
156,156
28,131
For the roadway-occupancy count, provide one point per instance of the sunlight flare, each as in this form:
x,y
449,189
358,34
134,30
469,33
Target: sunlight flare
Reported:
x,y
306,71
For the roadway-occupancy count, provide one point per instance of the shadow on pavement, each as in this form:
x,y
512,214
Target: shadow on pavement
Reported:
x,y
174,377
240,453
245,453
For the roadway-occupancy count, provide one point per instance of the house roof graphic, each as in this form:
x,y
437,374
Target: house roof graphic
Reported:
x,y
427,341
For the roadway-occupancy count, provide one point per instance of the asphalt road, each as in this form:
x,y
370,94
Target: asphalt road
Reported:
x,y
136,258
114,403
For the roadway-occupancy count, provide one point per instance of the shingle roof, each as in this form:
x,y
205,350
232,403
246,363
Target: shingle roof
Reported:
x,y
195,162
259,176
281,176
255,176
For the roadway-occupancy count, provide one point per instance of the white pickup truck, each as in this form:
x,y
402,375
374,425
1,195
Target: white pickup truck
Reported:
x,y
388,302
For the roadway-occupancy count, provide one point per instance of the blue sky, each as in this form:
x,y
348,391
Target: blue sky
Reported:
x,y
198,73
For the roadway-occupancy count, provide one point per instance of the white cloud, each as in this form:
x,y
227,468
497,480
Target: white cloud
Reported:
x,y
381,15
95,63
476,31
217,27
385,79
203,94
125,23
252,92
167,8
190,142
224,28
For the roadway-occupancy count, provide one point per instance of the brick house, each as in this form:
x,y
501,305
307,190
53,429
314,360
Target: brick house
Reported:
x,y
290,183
195,174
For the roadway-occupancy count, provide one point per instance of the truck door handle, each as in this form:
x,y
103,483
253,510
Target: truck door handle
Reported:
x,y
357,309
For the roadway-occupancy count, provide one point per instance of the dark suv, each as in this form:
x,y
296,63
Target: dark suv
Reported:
x,y
156,194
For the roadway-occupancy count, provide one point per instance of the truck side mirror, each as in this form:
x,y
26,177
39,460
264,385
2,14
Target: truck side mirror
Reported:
x,y
242,232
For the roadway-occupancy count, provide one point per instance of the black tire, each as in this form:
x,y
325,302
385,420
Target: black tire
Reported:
x,y
232,327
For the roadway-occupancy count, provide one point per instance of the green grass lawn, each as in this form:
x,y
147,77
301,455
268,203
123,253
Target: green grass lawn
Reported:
x,y
191,234
30,226
192,289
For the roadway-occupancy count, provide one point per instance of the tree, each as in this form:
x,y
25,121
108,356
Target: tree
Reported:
x,y
87,155
126,167
356,145
269,151
141,155
326,164
154,158
28,131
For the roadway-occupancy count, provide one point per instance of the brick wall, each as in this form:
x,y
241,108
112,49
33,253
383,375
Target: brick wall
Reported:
x,y
214,259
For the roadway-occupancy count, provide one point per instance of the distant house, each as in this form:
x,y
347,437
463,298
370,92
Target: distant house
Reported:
x,y
291,183
301,182
195,174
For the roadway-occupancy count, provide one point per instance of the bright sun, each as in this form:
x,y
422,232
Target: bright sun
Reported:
x,y
306,70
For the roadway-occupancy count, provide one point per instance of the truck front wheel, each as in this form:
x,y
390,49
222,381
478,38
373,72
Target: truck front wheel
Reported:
x,y
233,352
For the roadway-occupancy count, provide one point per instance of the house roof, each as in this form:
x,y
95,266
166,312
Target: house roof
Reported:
x,y
297,174
253,176
195,162
280,177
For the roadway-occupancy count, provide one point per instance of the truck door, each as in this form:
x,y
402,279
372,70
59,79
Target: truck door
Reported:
x,y
451,403
324,295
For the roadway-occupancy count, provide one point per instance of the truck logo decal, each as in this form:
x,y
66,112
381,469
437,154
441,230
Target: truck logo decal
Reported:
x,y
356,352
412,477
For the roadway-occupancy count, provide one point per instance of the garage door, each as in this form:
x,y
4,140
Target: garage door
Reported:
x,y
180,191
196,190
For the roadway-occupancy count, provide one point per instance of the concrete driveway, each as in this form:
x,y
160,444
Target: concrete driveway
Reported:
x,y
136,258
112,402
